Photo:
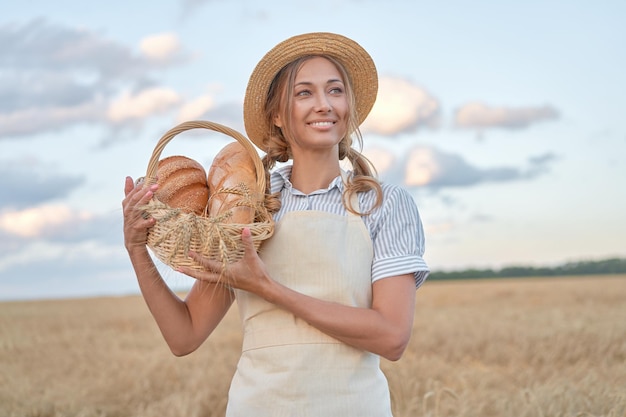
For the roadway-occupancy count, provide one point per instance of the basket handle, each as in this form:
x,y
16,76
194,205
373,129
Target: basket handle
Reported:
x,y
153,164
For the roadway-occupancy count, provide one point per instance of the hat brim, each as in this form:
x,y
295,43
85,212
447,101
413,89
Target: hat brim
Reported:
x,y
357,62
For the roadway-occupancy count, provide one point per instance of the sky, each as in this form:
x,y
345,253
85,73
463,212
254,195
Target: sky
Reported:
x,y
503,119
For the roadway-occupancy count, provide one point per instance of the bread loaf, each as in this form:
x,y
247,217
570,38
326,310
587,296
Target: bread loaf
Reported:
x,y
182,184
232,185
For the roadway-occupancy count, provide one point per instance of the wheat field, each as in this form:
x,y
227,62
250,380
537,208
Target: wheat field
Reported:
x,y
522,348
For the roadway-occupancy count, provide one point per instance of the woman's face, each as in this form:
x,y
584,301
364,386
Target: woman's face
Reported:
x,y
319,107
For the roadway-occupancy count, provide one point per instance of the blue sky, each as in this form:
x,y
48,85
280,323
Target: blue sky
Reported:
x,y
504,120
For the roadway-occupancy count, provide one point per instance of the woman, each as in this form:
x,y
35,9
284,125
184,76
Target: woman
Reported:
x,y
334,288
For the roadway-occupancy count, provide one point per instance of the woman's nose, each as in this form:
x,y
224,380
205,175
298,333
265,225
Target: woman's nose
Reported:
x,y
322,104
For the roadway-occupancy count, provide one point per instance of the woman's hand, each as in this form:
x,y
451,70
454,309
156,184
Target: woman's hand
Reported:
x,y
184,324
136,223
247,274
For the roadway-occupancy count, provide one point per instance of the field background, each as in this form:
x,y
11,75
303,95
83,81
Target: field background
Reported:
x,y
518,347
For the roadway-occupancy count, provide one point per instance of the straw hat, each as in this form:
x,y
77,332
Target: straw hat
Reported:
x,y
351,55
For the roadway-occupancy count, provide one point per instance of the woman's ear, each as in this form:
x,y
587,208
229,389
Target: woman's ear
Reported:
x,y
278,121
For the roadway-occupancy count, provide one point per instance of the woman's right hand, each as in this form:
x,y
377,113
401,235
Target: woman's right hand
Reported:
x,y
135,224
184,324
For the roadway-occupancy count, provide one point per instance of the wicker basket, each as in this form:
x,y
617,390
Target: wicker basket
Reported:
x,y
175,232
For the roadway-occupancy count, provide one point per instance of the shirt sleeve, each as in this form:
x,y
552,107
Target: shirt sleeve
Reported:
x,y
398,238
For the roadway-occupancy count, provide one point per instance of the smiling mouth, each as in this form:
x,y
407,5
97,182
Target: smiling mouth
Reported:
x,y
321,124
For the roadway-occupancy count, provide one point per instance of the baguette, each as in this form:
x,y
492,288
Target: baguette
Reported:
x,y
233,186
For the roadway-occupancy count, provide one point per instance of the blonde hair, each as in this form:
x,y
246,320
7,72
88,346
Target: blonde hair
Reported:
x,y
279,103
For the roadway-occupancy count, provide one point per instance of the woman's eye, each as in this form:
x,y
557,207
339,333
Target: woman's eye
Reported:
x,y
303,93
336,90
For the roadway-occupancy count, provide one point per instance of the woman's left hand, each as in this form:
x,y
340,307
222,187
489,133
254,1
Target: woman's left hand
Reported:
x,y
247,274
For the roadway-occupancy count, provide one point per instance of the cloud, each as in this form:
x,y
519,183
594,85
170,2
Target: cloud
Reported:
x,y
193,3
25,183
26,89
57,223
142,104
53,77
381,158
196,108
161,47
542,160
55,249
541,163
189,6
42,270
431,168
81,255
40,221
401,106
227,113
423,166
39,119
41,46
481,116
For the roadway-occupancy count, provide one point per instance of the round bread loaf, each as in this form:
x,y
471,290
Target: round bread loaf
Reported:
x,y
232,185
182,184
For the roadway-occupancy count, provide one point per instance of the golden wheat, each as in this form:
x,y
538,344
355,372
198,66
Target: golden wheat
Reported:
x,y
521,348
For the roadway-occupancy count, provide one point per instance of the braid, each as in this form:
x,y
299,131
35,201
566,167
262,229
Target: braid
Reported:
x,y
363,179
276,151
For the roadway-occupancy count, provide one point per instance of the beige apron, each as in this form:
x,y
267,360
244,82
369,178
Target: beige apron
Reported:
x,y
288,368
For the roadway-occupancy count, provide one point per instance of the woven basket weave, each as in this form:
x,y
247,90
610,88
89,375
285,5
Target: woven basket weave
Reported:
x,y
175,232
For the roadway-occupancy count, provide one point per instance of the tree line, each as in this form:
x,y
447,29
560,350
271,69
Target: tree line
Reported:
x,y
602,267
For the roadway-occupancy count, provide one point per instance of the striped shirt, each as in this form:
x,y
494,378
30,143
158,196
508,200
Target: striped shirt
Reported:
x,y
395,227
